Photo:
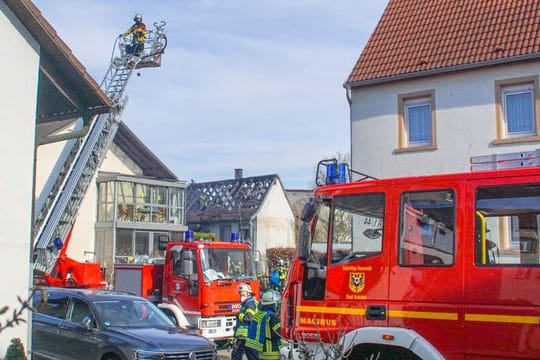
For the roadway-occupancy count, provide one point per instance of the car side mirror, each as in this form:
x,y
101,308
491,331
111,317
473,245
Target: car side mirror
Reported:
x,y
87,323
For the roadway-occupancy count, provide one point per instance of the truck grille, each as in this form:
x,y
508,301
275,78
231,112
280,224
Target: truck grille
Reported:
x,y
199,355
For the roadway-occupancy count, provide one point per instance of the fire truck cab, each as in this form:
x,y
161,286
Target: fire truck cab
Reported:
x,y
431,267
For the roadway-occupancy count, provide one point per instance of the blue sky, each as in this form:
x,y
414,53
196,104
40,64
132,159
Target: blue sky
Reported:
x,y
244,84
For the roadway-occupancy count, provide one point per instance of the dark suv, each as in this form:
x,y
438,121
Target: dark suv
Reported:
x,y
108,325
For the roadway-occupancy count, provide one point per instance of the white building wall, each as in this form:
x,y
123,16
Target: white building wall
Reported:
x,y
18,91
465,123
275,221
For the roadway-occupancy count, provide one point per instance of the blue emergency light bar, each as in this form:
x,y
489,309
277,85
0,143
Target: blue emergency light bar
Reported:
x,y
332,172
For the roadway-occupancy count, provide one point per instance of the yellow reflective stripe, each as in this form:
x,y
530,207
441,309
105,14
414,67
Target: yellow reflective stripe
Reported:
x,y
434,315
518,319
274,355
241,332
423,315
331,310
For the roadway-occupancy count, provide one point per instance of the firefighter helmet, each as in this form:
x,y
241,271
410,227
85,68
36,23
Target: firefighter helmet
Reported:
x,y
271,297
246,288
137,18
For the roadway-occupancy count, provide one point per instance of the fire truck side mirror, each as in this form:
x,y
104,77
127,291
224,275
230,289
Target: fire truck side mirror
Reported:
x,y
304,236
187,262
308,212
304,245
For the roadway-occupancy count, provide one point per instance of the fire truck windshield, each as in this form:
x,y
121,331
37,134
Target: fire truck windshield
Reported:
x,y
230,264
357,228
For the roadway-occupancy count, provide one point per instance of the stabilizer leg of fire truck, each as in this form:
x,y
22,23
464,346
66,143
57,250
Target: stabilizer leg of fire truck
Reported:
x,y
58,205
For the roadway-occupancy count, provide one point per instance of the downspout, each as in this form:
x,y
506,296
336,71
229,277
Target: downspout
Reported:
x,y
348,96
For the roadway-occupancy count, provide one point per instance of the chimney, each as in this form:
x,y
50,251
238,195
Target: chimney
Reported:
x,y
237,174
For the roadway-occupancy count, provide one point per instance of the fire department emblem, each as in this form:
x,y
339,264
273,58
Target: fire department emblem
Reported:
x,y
357,281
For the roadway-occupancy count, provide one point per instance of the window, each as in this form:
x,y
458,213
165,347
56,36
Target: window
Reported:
x,y
416,116
143,202
357,227
106,202
320,234
427,228
139,203
55,305
159,204
79,310
507,225
125,200
517,109
176,206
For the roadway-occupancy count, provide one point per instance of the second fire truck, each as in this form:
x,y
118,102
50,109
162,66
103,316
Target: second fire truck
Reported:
x,y
431,267
196,283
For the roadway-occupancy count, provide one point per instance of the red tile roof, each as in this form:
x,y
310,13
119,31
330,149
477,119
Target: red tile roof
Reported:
x,y
418,37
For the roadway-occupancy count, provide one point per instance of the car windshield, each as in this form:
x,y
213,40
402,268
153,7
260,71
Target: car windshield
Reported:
x,y
131,313
231,264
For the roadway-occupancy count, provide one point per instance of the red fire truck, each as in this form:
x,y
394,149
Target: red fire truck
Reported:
x,y
196,283
429,267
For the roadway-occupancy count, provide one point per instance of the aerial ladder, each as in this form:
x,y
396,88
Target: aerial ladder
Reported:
x,y
58,204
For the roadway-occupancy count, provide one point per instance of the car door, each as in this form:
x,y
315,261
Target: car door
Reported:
x,y
79,341
46,322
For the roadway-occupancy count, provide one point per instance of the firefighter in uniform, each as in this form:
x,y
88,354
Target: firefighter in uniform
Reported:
x,y
138,31
264,333
248,308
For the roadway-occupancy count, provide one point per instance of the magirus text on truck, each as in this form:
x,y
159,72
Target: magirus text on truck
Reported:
x,y
429,267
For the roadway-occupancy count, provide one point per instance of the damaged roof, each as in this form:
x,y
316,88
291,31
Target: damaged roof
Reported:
x,y
65,89
227,200
423,37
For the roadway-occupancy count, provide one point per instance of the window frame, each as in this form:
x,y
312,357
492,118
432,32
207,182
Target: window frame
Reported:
x,y
427,251
527,83
404,101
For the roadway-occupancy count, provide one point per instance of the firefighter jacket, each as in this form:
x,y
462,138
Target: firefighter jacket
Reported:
x,y
245,315
138,31
264,334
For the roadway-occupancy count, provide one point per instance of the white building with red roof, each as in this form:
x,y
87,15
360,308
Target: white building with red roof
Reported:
x,y
440,83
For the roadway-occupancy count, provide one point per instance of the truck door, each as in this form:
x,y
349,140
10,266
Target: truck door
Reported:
x,y
502,296
356,286
426,287
183,285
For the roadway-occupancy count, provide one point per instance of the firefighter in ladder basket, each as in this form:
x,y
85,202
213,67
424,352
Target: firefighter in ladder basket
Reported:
x,y
138,35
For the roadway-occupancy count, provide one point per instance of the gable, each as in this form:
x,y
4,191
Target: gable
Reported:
x,y
422,37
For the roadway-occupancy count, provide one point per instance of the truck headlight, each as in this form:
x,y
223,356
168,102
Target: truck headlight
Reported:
x,y
141,354
210,323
